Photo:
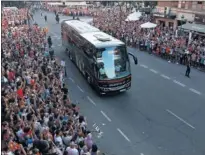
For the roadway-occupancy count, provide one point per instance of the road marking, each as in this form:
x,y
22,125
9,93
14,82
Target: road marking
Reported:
x,y
179,118
195,91
166,77
154,71
123,134
71,79
53,33
144,66
91,100
179,83
80,89
105,116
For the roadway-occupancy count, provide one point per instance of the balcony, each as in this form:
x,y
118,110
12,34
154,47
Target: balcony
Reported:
x,y
166,14
193,11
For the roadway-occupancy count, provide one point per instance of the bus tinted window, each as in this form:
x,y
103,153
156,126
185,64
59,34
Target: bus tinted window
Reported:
x,y
112,62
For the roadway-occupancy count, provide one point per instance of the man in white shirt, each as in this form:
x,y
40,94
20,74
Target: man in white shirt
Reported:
x,y
66,138
71,150
57,138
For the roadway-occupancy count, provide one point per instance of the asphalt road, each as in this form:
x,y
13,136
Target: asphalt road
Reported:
x,y
162,114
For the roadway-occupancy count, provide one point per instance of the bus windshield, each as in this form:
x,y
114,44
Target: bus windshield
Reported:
x,y
112,63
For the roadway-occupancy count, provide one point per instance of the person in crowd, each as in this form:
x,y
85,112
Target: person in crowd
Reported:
x,y
57,18
49,41
51,50
45,17
188,69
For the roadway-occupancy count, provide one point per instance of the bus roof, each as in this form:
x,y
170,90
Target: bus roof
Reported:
x,y
93,34
81,27
95,39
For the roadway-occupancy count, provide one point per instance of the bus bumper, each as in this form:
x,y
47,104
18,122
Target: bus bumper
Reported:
x,y
104,91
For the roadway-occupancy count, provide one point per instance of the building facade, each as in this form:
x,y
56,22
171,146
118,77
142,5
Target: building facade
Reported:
x,y
175,13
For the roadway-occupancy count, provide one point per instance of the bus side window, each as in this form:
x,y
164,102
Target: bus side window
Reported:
x,y
88,51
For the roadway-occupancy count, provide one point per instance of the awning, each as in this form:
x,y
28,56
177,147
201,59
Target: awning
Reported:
x,y
134,16
148,25
194,27
75,4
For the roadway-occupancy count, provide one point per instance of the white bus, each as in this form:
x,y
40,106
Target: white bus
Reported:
x,y
102,59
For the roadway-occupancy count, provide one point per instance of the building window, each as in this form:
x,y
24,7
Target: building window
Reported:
x,y
199,2
183,4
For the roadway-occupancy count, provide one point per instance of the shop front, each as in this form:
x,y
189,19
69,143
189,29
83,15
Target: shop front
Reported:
x,y
164,17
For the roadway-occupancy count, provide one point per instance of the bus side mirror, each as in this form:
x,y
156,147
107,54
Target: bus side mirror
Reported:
x,y
134,57
135,60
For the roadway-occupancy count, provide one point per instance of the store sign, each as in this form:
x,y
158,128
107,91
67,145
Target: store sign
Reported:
x,y
159,9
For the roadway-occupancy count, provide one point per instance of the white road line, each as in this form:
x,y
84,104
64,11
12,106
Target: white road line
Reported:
x,y
123,134
71,79
154,71
195,91
80,89
179,83
105,116
91,100
144,66
179,118
166,77
53,33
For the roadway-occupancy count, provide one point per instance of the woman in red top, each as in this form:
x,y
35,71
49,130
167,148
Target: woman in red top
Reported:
x,y
20,93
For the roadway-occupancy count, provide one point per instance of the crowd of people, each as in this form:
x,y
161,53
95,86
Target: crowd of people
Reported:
x,y
162,41
13,16
69,11
38,117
